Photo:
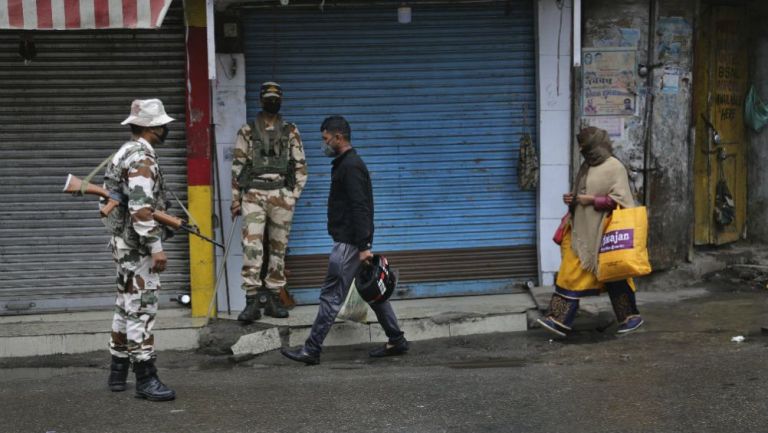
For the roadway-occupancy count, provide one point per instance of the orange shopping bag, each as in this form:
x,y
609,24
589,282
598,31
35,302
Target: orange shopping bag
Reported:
x,y
624,248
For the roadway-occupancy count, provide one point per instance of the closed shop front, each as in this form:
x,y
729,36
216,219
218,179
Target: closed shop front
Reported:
x,y
437,108
60,113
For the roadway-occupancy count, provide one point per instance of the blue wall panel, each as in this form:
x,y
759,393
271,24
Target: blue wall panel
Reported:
x,y
436,108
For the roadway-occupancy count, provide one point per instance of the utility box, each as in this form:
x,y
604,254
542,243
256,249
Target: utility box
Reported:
x,y
229,33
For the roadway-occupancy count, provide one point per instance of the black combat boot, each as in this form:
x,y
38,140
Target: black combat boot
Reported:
x,y
274,307
118,373
251,312
148,385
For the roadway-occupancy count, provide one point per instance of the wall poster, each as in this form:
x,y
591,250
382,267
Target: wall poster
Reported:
x,y
609,87
613,125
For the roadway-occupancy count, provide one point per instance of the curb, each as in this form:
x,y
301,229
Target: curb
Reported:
x,y
420,319
351,333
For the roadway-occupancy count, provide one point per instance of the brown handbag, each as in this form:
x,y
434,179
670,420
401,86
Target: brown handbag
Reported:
x,y
560,232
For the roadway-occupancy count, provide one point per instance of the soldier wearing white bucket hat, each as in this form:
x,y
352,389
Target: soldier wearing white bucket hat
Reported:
x,y
137,249
148,113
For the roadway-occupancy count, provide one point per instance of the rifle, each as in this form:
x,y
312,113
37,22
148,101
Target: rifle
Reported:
x,y
74,186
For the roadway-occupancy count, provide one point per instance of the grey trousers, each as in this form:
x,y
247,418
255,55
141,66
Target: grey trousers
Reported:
x,y
342,267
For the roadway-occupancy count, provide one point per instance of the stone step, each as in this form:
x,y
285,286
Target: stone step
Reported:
x,y
68,333
420,319
43,337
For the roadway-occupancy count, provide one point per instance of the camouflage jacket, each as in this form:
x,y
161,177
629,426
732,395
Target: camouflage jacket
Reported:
x,y
134,173
244,150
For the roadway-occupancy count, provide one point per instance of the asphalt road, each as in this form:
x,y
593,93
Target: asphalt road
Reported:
x,y
681,373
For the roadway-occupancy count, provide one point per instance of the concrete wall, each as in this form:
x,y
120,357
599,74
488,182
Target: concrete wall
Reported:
x,y
663,110
228,115
670,183
554,118
603,21
757,181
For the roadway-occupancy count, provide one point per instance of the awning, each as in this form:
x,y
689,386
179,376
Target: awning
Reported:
x,y
82,14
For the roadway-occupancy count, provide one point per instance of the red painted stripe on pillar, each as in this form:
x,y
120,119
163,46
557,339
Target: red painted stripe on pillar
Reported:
x,y
155,7
15,14
198,171
101,13
44,14
72,14
198,109
130,14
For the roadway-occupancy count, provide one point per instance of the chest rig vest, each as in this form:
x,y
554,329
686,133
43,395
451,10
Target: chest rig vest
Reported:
x,y
118,222
269,153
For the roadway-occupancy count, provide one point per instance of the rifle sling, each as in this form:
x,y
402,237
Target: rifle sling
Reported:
x,y
121,197
88,178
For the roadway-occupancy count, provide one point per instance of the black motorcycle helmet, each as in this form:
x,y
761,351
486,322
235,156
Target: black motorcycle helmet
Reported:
x,y
375,280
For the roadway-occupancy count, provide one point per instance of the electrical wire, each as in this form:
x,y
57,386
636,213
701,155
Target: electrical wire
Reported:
x,y
559,4
220,272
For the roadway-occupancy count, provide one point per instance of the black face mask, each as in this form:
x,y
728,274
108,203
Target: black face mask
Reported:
x,y
272,106
163,135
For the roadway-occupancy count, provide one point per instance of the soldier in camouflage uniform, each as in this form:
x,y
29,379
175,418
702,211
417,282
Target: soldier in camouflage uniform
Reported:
x,y
269,172
137,249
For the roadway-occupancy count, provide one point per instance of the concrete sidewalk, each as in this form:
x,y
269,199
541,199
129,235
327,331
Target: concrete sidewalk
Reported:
x,y
421,319
67,333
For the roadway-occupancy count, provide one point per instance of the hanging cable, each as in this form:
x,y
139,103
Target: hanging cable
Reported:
x,y
559,4
222,267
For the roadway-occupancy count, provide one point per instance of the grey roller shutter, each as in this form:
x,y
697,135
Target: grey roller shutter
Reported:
x,y
61,114
437,108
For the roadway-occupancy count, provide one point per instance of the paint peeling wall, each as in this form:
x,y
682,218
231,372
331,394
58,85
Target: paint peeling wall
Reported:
x,y
662,112
603,21
757,177
671,159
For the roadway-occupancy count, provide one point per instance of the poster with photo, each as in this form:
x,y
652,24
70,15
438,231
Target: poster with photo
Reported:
x,y
613,125
608,82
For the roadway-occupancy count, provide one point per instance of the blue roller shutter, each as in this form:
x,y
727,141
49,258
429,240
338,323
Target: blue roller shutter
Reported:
x,y
436,109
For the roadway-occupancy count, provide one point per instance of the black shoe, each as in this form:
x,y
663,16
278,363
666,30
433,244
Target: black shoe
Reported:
x,y
251,312
148,385
274,307
301,355
387,350
118,373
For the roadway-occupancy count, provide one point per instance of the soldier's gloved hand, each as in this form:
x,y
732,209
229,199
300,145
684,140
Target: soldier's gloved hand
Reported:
x,y
235,208
159,260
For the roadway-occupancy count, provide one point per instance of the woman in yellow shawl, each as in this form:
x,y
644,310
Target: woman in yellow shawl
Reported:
x,y
601,184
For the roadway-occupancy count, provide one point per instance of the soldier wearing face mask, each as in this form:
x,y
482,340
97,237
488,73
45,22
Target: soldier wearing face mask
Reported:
x,y
269,172
137,249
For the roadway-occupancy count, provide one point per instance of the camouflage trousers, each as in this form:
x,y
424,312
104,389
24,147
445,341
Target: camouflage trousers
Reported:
x,y
136,303
273,210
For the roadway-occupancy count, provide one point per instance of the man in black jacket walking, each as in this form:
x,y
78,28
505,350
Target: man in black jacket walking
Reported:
x,y
350,224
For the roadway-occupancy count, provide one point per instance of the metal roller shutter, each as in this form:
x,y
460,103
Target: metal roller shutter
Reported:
x,y
61,114
436,108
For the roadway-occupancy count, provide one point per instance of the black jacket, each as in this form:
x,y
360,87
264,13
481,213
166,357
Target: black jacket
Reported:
x,y
350,202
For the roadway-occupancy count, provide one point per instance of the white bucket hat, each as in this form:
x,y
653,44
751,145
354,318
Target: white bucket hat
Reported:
x,y
147,113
